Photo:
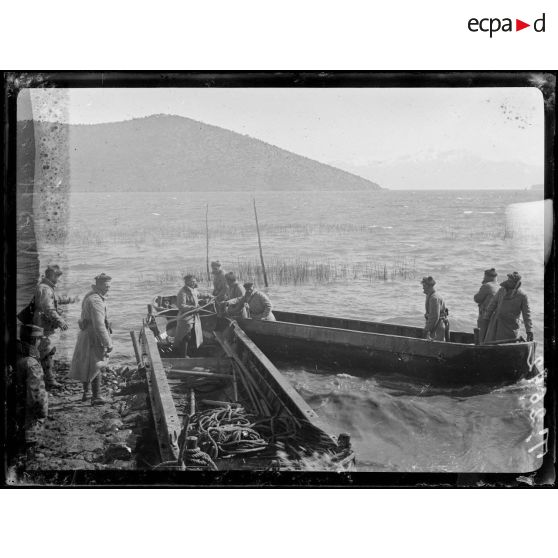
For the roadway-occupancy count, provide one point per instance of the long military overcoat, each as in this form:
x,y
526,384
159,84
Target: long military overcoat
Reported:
x,y
504,312
93,338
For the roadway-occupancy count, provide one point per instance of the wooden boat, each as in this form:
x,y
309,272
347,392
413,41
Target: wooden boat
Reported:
x,y
365,348
230,403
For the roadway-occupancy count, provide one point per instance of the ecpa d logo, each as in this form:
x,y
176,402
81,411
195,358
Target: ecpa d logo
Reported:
x,y
492,25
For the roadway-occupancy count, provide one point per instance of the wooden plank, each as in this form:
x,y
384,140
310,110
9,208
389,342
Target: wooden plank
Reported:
x,y
189,363
279,384
176,373
167,422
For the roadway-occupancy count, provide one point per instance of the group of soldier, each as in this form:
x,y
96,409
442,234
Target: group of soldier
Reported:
x,y
35,374
230,297
500,307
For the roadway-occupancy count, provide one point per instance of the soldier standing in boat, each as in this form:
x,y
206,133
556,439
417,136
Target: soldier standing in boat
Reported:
x,y
31,394
483,298
188,305
436,327
94,342
234,291
504,310
255,302
48,318
219,282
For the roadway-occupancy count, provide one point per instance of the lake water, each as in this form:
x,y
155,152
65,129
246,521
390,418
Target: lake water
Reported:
x,y
377,246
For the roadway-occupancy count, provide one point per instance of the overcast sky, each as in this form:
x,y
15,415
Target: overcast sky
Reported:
x,y
338,126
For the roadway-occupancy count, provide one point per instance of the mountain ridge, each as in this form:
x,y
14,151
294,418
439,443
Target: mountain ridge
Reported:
x,y
176,153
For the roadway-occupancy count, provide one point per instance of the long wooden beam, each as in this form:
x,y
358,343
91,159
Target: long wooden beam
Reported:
x,y
165,415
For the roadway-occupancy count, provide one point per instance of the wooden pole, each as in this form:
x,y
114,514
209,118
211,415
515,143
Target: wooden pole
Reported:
x,y
207,242
260,243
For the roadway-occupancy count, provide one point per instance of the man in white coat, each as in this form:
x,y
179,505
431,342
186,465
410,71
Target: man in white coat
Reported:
x,y
94,343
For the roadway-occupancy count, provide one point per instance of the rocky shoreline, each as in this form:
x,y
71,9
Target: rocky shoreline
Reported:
x,y
78,436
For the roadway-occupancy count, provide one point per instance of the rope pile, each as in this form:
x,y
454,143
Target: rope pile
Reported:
x,y
226,432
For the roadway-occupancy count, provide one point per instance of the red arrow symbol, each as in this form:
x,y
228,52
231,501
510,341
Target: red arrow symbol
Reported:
x,y
519,25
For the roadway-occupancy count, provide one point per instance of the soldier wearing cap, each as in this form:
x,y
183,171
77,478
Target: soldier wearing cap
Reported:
x,y
255,302
504,310
188,304
436,327
31,394
94,342
219,282
47,316
234,291
483,298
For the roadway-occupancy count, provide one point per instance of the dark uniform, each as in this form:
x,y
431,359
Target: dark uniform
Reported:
x,y
31,394
47,316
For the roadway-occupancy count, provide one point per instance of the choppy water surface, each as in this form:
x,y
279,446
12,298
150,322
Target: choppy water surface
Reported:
x,y
146,241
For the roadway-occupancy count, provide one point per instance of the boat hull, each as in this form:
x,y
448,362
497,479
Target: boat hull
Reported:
x,y
368,348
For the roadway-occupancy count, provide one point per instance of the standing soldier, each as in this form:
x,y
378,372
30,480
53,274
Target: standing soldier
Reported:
x,y
504,310
187,303
48,317
93,343
483,298
234,290
257,303
219,282
31,394
436,327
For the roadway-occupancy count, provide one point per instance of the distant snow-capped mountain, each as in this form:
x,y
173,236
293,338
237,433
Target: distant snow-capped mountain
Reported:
x,y
448,169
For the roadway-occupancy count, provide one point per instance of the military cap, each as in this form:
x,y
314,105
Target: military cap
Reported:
x,y
230,276
248,285
29,330
189,277
54,268
102,278
216,264
514,277
428,281
490,272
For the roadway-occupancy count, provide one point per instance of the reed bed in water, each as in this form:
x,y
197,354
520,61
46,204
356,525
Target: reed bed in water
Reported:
x,y
296,272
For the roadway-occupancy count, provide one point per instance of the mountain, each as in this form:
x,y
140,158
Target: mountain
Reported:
x,y
173,153
448,170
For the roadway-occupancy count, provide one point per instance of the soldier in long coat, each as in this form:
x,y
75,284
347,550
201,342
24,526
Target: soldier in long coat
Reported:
x,y
94,342
47,316
219,282
509,303
436,321
187,318
31,394
257,303
234,291
483,298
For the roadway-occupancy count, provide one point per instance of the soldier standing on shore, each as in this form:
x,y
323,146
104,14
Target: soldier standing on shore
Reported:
x,y
93,343
49,319
483,298
31,394
436,327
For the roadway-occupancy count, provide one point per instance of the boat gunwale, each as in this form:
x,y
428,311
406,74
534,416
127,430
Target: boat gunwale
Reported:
x,y
432,342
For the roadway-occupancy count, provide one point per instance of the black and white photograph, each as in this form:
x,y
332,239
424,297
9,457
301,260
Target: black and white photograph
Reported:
x,y
302,278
